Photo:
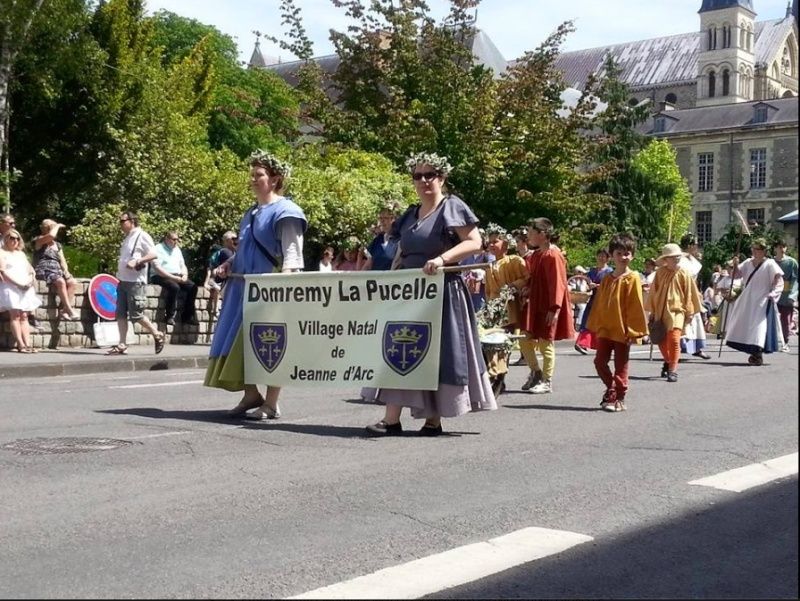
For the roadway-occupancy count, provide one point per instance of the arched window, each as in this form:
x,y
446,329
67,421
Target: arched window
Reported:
x,y
726,36
742,36
749,38
788,94
726,82
671,98
712,84
787,64
633,101
710,38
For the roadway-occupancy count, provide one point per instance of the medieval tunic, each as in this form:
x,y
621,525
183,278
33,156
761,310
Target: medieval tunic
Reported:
x,y
463,381
618,311
226,357
503,272
547,291
753,324
673,298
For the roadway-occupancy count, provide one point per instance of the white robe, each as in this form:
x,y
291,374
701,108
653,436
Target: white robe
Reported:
x,y
694,332
747,322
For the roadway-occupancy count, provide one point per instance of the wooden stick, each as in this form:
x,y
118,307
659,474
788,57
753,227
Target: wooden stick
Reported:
x,y
457,268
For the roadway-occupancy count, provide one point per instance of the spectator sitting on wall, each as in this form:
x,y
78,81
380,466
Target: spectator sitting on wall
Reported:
x,y
171,274
214,283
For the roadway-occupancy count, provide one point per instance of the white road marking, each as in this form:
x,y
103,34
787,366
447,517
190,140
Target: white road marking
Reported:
x,y
752,475
158,385
156,435
454,567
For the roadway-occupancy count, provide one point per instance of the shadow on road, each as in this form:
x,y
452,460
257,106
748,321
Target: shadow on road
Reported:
x,y
553,407
221,417
744,547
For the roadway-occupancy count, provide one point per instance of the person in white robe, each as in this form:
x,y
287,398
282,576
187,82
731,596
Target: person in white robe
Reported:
x,y
754,323
693,340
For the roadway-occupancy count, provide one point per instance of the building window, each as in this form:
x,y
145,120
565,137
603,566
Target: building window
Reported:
x,y
671,98
726,36
755,217
660,125
711,37
702,221
758,168
760,115
712,84
705,172
726,82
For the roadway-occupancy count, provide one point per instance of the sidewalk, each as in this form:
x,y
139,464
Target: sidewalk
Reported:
x,y
74,361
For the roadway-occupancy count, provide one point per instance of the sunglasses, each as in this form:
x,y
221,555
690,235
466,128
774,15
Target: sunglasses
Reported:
x,y
123,220
175,239
427,176
13,238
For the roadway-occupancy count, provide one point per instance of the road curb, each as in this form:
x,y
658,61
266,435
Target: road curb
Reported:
x,y
75,368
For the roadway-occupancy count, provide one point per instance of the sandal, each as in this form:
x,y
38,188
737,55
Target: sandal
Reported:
x,y
117,349
159,341
244,406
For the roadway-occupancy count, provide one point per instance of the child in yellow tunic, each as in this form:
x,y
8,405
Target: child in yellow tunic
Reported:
x,y
506,270
617,319
673,299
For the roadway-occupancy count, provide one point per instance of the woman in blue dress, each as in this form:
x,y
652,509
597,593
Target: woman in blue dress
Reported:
x,y
440,230
270,239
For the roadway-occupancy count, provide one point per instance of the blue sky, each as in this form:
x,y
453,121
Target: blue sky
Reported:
x,y
514,25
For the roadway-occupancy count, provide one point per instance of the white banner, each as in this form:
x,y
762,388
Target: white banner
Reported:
x,y
369,328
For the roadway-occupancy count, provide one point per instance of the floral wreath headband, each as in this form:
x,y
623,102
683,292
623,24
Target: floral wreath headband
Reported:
x,y
493,229
439,163
271,162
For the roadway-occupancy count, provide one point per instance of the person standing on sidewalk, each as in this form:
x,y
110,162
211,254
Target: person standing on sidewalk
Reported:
x,y
549,312
694,332
270,239
173,276
672,301
618,320
788,299
136,251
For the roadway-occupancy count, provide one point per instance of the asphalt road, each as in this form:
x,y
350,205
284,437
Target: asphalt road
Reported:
x,y
192,504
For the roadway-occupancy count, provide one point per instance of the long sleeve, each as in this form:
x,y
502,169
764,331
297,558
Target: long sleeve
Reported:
x,y
291,234
633,310
557,288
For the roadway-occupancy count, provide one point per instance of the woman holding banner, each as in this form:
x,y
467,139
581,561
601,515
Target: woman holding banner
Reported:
x,y
271,229
440,230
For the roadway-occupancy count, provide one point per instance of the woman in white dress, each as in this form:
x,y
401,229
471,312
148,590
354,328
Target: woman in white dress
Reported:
x,y
17,295
754,323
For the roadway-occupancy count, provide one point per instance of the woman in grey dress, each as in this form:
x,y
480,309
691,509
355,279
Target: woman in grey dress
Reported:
x,y
440,230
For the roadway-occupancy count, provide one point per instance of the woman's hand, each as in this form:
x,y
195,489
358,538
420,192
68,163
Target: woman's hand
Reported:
x,y
433,265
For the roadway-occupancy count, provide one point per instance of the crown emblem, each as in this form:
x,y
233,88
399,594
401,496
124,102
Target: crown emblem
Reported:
x,y
405,335
269,336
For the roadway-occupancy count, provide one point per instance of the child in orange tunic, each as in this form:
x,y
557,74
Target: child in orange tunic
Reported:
x,y
618,319
549,312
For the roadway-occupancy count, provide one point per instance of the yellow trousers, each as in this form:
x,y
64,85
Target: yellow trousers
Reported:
x,y
547,348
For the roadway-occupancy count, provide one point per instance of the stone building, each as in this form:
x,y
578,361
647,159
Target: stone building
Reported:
x,y
725,97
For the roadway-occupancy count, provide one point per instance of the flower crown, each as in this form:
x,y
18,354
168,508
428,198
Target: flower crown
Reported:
x,y
441,164
271,162
493,229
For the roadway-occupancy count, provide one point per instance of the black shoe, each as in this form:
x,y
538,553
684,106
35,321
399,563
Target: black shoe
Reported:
x,y
664,370
702,355
170,321
580,349
384,429
756,360
672,377
428,430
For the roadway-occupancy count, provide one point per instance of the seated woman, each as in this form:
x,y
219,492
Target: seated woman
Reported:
x,y
17,295
51,267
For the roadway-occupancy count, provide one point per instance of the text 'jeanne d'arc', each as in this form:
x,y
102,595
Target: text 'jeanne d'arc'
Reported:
x,y
369,290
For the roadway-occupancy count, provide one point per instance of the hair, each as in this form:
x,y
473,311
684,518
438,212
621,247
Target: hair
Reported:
x,y
14,232
622,242
603,251
781,243
5,216
132,216
46,225
273,166
687,240
229,235
760,243
170,233
544,226
520,233
390,206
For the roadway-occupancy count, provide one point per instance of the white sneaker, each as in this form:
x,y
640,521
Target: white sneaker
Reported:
x,y
785,348
542,387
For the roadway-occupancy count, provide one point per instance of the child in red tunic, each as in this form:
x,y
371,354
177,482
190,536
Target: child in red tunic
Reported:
x,y
549,311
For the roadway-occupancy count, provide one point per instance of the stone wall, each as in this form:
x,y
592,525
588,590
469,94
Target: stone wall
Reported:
x,y
56,333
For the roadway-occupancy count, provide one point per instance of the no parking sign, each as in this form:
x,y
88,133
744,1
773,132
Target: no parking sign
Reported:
x,y
103,295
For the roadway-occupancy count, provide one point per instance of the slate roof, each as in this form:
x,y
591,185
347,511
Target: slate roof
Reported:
x,y
782,111
483,49
669,60
718,4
